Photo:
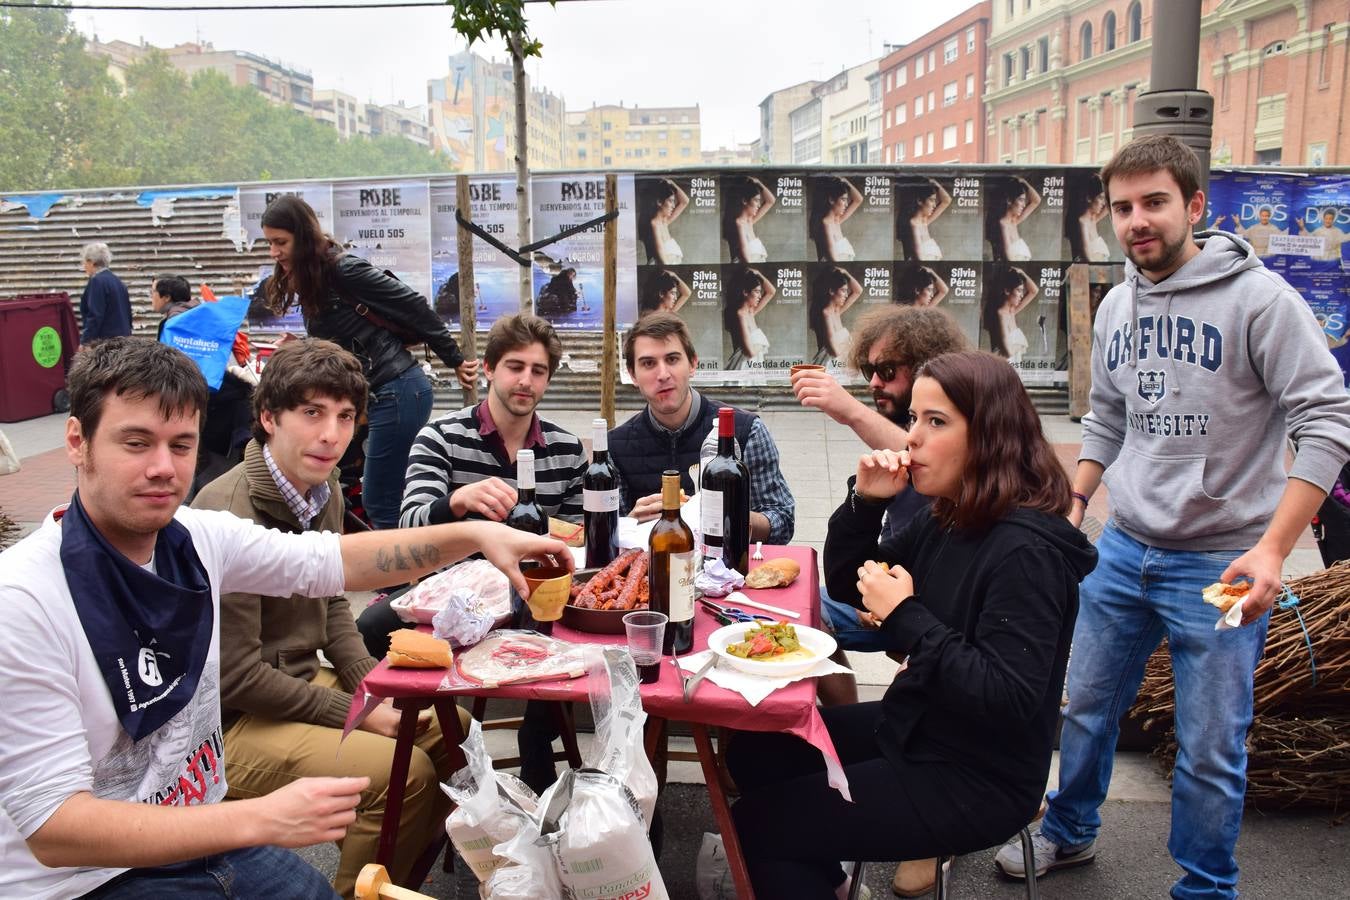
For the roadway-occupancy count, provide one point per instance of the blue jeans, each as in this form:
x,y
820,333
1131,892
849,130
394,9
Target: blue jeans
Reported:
x,y
398,410
246,874
849,633
1137,594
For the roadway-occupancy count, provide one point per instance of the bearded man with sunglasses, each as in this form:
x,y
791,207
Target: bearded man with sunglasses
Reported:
x,y
889,346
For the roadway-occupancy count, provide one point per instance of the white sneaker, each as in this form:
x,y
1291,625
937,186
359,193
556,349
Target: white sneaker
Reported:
x,y
1047,854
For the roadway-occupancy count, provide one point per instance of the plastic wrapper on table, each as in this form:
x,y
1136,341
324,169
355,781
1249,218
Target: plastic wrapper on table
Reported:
x,y
464,621
429,596
490,807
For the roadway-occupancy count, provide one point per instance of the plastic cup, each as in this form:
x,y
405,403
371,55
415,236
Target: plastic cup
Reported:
x,y
645,630
549,590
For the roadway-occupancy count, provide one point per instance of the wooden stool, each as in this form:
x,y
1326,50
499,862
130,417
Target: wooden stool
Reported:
x,y
373,884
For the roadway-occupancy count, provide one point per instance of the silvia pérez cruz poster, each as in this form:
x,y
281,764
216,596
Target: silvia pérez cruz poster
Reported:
x,y
1023,215
1020,317
496,291
938,218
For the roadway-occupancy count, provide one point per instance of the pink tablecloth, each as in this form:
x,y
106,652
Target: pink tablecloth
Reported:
x,y
791,709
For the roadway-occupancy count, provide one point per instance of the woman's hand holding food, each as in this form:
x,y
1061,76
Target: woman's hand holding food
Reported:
x,y
883,587
882,474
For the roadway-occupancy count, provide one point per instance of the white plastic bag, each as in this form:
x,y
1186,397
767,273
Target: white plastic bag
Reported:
x,y
596,833
527,871
712,872
430,595
491,807
616,707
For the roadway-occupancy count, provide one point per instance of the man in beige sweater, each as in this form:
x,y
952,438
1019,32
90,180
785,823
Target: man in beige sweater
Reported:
x,y
282,712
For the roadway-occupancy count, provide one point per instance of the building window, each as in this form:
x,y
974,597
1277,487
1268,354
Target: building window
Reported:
x,y
1108,32
1270,157
606,126
581,135
932,60
1272,49
930,142
581,152
1323,79
899,151
888,118
970,130
684,151
902,75
609,161
1134,22
901,113
970,39
662,152
918,66
608,142
890,80
918,146
932,100
1085,41
1043,55
949,93
686,135
1012,8
949,137
918,106
661,135
970,86
1025,58
950,49
1007,69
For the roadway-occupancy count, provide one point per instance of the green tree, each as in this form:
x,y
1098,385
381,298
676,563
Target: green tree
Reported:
x,y
57,104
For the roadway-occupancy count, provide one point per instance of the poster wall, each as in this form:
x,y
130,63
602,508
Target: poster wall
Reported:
x,y
770,267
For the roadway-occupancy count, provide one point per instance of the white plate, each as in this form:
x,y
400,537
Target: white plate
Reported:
x,y
818,642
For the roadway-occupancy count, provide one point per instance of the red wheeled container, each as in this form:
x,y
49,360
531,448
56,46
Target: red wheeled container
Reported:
x,y
38,337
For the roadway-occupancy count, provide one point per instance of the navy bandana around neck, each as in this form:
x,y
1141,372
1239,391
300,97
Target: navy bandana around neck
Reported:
x,y
150,633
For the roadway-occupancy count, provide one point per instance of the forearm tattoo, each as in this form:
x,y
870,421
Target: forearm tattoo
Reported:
x,y
392,559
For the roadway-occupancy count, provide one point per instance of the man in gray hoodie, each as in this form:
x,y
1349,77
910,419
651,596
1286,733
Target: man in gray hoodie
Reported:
x,y
1202,362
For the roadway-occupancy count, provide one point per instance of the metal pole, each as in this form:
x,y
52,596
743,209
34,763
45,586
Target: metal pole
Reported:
x,y
468,311
1173,105
609,357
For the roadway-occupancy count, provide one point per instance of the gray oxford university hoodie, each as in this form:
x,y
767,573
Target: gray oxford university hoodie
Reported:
x,y
1196,382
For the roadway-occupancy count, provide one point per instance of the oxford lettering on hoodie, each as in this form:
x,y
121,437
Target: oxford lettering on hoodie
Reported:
x,y
1195,390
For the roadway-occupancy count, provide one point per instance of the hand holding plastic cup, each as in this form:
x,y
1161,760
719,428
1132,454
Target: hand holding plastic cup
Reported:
x,y
645,630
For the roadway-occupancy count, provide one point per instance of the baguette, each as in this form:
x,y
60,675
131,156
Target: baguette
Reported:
x,y
775,573
413,649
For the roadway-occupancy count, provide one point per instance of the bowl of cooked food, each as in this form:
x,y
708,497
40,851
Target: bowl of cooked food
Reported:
x,y
772,649
600,597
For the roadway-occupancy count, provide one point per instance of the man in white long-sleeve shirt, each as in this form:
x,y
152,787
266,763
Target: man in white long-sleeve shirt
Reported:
x,y
110,743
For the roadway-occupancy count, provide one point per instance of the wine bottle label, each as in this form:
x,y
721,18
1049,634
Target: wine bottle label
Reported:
x,y
600,501
681,586
710,513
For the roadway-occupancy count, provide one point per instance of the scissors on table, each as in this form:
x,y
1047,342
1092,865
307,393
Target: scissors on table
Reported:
x,y
730,615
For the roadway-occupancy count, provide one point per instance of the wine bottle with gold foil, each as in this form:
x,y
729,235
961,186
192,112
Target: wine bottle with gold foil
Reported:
x,y
671,573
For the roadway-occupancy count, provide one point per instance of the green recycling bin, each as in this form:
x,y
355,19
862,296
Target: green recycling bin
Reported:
x,y
38,337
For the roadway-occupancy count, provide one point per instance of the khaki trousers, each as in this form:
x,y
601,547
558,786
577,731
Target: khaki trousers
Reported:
x,y
262,755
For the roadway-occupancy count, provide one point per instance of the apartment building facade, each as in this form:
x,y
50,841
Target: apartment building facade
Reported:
x,y
1063,78
634,137
343,112
775,122
932,92
471,117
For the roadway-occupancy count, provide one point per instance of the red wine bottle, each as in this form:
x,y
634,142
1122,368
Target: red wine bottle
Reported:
x,y
526,515
600,489
724,500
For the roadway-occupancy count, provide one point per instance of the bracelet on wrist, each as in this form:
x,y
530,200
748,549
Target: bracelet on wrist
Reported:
x,y
1078,496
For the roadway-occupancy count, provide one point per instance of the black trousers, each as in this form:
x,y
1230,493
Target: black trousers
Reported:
x,y
794,828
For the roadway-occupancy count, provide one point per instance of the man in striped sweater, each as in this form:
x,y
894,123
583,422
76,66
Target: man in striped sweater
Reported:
x,y
463,466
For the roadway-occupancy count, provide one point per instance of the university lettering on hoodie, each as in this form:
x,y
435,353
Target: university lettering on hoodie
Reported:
x,y
1154,339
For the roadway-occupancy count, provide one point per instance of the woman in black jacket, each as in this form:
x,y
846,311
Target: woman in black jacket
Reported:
x,y
348,301
979,598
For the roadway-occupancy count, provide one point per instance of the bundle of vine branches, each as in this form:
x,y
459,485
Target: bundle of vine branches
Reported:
x,y
1292,762
9,531
1285,680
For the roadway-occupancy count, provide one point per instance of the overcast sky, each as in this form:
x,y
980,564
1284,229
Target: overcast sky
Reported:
x,y
724,55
